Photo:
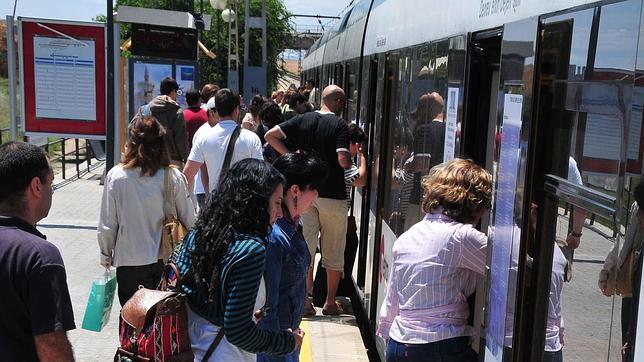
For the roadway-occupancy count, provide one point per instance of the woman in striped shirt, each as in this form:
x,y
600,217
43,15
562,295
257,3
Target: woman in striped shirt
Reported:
x,y
222,263
435,267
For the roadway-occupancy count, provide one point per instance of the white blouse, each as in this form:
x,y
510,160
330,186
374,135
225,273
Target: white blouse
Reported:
x,y
132,215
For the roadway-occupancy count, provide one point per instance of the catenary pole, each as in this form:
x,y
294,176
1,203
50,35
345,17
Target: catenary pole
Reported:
x,y
109,145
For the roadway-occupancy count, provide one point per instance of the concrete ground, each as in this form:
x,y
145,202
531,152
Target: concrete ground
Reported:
x,y
71,226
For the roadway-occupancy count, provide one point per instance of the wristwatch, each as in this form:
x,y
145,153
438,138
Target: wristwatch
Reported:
x,y
577,235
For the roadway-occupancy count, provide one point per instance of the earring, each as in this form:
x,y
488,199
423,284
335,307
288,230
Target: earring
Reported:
x,y
295,202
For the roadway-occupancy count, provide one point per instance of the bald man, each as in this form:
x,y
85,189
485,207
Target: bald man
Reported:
x,y
325,223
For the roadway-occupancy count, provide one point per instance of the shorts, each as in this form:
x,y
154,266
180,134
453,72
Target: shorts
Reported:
x,y
325,224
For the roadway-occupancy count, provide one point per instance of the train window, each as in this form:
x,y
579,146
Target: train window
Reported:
x,y
586,81
416,134
351,71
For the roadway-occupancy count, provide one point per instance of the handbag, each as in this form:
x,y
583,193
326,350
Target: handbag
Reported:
x,y
173,230
154,324
99,303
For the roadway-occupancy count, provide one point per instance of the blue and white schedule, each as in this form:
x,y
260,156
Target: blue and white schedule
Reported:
x,y
65,78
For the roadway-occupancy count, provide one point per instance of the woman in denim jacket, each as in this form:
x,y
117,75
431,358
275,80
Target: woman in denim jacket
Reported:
x,y
287,256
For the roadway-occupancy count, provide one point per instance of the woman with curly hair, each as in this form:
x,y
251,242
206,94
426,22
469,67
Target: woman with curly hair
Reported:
x,y
222,260
435,267
131,221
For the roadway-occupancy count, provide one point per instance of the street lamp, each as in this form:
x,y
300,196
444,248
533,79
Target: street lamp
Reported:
x,y
228,15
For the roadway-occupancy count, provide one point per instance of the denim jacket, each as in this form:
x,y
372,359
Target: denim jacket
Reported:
x,y
287,262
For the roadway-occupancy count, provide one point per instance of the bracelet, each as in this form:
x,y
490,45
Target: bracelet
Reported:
x,y
577,235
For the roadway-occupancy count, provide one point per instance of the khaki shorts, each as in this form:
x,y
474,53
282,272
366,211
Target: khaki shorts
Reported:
x,y
325,224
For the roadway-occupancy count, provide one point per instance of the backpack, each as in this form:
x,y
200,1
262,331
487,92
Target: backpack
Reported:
x,y
154,324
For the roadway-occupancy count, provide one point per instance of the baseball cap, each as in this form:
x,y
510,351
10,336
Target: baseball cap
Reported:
x,y
211,104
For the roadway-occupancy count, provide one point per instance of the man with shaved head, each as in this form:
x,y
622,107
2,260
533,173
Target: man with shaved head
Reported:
x,y
326,135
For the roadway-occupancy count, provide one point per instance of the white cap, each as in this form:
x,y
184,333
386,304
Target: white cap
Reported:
x,y
211,104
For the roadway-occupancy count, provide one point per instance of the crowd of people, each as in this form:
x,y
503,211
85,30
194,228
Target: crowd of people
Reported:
x,y
260,194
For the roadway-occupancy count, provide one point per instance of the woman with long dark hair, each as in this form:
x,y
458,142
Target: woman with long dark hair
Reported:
x,y
132,209
288,258
222,263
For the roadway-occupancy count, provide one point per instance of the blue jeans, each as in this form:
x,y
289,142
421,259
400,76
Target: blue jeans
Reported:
x,y
553,356
448,350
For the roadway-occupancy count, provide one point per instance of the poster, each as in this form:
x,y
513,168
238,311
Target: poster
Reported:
x,y
64,74
147,78
63,77
186,80
450,124
504,227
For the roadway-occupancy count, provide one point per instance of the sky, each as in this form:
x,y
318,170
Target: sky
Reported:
x,y
86,9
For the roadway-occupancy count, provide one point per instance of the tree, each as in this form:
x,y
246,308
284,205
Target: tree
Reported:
x,y
278,29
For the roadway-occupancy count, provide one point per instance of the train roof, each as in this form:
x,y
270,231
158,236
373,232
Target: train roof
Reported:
x,y
396,24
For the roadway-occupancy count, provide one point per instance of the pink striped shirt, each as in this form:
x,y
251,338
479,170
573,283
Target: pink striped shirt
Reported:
x,y
435,267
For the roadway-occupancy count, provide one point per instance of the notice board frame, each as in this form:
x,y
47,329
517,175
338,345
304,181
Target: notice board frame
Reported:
x,y
55,127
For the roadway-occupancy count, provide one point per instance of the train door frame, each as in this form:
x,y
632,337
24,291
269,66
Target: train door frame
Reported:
x,y
518,49
370,93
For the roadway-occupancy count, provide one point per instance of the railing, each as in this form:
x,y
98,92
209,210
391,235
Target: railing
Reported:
x,y
3,131
63,157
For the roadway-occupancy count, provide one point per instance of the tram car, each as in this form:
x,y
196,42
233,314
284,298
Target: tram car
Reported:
x,y
548,97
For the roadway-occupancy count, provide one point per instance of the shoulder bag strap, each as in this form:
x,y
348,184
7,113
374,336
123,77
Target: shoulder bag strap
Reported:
x,y
169,207
214,345
229,151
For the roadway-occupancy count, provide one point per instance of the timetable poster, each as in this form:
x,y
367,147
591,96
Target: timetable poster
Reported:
x,y
504,228
65,78
451,124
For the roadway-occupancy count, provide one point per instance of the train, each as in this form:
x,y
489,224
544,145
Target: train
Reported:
x,y
537,92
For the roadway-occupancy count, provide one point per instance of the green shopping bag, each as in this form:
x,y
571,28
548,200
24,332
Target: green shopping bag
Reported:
x,y
99,304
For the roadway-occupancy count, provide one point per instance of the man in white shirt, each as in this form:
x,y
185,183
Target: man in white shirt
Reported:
x,y
211,148
202,182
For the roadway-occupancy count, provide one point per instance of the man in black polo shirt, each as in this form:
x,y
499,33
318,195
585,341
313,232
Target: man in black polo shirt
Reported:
x,y
324,134
35,308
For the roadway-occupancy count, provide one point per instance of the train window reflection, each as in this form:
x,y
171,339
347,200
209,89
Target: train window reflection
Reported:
x,y
579,53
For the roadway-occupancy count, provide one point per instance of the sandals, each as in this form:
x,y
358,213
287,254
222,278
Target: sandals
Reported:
x,y
309,310
333,311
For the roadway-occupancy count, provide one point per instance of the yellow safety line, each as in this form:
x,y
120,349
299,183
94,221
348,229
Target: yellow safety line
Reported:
x,y
306,354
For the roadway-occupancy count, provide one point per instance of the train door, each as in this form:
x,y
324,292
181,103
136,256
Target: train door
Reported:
x,y
479,129
369,82
569,156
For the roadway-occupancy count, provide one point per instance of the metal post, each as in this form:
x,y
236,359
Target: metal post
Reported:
x,y
233,50
62,157
77,157
11,63
87,157
109,146
254,74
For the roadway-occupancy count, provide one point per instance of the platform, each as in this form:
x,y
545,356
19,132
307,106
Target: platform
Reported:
x,y
71,226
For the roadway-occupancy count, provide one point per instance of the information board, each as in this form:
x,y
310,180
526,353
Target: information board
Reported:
x,y
62,67
451,124
64,73
504,227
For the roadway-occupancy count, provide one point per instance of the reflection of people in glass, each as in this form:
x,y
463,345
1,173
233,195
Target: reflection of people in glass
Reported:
x,y
630,279
443,255
428,146
617,273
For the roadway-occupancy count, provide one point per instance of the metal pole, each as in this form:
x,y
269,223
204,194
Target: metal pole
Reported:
x,y
109,146
11,63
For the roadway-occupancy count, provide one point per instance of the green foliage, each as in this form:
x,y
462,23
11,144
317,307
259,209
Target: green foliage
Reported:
x,y
279,31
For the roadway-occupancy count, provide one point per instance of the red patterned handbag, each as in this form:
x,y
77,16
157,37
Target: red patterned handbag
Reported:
x,y
154,327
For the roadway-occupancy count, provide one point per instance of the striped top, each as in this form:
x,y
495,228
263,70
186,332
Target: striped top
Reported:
x,y
350,174
435,267
242,269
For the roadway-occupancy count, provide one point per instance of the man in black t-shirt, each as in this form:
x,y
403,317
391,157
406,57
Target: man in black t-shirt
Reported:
x,y
35,308
324,134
